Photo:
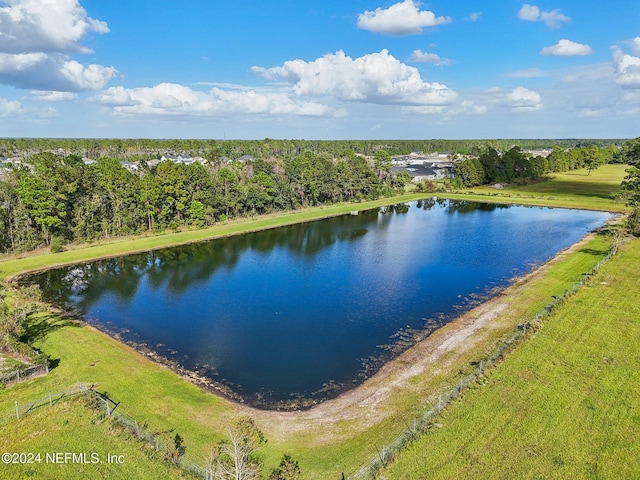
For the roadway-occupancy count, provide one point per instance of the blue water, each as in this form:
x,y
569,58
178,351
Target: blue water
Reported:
x,y
301,313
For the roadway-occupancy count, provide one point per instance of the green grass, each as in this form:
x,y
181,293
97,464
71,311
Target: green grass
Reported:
x,y
155,395
566,404
72,427
10,364
574,189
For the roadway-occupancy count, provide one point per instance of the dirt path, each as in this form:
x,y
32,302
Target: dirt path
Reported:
x,y
375,400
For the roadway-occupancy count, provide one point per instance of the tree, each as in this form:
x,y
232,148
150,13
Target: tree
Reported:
x,y
470,172
629,153
489,160
631,190
236,458
227,184
593,158
150,198
382,164
287,470
117,189
175,450
49,192
631,186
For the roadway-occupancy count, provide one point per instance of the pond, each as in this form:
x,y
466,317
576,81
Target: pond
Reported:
x,y
291,316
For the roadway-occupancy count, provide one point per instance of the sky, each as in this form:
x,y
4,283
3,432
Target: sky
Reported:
x,y
331,69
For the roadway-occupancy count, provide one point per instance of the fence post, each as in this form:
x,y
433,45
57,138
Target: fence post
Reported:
x,y
17,411
108,407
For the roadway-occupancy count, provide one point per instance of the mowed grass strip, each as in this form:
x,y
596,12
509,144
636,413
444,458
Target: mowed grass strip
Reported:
x,y
565,404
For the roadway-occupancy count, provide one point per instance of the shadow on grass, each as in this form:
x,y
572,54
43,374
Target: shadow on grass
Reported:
x,y
38,327
595,252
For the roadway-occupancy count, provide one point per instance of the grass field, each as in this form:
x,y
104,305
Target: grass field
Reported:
x,y
566,404
570,189
85,432
165,401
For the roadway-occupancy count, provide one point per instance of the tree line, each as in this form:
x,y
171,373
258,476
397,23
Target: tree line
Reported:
x,y
58,199
490,166
214,150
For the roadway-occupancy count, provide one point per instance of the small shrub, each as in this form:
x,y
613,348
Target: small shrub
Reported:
x,y
633,222
428,186
56,245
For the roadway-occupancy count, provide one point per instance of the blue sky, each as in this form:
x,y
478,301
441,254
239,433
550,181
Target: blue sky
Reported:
x,y
348,69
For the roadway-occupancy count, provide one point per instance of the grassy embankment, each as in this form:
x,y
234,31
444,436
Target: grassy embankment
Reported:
x,y
164,401
564,405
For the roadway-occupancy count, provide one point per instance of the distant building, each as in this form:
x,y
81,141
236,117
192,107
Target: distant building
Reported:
x,y
131,166
543,152
420,167
421,172
154,163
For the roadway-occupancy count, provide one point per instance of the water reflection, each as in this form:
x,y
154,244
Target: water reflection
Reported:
x,y
305,311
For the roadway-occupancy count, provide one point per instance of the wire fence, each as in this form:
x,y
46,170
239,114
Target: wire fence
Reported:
x,y
108,408
23,374
383,456
18,411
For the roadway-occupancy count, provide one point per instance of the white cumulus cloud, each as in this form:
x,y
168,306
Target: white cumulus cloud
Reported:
x,y
521,99
40,71
374,78
48,96
402,18
527,73
528,12
424,57
170,99
567,48
627,69
9,107
45,26
552,19
468,107
36,38
635,45
474,17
